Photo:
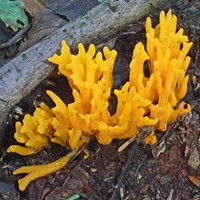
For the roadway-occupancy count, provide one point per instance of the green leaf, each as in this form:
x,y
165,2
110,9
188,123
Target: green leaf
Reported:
x,y
74,197
12,14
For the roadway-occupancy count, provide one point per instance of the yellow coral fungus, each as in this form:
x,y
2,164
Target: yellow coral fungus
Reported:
x,y
142,101
168,63
41,170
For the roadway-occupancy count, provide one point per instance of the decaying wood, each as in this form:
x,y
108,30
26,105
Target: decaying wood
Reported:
x,y
27,70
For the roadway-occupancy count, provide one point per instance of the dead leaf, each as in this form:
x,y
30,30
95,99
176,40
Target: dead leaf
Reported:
x,y
156,151
195,180
32,6
194,159
41,27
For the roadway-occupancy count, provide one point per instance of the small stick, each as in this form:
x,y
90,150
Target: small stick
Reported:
x,y
124,145
122,175
144,132
145,156
15,38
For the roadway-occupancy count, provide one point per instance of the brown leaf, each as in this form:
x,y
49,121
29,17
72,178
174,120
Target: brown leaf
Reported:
x,y
32,6
195,180
44,22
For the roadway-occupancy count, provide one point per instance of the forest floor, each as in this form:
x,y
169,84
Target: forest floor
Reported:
x,y
169,170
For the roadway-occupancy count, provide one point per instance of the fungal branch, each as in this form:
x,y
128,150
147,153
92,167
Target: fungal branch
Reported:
x,y
143,101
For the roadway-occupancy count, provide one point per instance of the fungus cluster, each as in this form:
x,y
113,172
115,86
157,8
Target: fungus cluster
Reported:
x,y
142,101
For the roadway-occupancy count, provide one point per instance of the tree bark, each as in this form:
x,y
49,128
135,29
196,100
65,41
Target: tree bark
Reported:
x,y
28,69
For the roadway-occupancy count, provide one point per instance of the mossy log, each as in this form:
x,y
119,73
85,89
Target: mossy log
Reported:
x,y
23,73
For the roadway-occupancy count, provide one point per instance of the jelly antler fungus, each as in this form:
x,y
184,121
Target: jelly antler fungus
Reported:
x,y
166,52
142,101
34,172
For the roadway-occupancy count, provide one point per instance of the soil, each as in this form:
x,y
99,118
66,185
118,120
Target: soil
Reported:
x,y
168,170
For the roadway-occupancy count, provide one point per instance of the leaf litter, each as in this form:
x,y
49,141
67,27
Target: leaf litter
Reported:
x,y
170,172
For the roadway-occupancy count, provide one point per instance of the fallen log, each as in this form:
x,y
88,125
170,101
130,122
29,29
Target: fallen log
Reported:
x,y
28,69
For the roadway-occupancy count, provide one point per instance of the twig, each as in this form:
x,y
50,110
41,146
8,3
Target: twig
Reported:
x,y
15,38
124,145
122,175
80,150
147,153
145,131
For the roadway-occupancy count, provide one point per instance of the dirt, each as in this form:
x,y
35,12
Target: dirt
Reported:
x,y
169,170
